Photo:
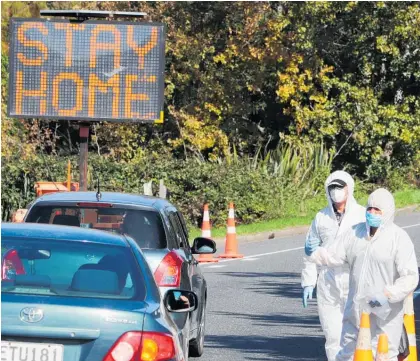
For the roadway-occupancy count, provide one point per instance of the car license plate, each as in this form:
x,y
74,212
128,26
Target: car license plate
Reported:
x,y
26,351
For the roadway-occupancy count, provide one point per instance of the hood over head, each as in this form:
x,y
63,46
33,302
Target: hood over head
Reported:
x,y
348,180
384,200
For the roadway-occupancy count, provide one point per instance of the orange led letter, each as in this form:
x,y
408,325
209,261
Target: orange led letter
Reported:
x,y
68,28
96,84
115,46
129,96
34,43
141,51
79,93
41,92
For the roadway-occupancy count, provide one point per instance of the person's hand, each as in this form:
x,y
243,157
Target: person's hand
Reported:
x,y
185,300
378,300
311,245
307,293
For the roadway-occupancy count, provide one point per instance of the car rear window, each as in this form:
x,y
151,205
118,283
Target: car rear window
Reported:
x,y
70,269
144,226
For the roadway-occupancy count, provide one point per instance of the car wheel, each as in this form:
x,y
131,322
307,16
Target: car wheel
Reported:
x,y
197,345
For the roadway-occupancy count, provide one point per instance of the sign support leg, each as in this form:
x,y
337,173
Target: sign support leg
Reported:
x,y
83,161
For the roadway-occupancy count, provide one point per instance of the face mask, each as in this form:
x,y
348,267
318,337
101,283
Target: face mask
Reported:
x,y
338,195
373,220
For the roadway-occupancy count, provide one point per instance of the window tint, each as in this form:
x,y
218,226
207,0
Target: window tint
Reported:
x,y
144,226
176,224
171,240
183,224
70,269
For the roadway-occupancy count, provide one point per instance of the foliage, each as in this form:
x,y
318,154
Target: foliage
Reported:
x,y
261,100
251,74
362,94
18,9
257,187
259,190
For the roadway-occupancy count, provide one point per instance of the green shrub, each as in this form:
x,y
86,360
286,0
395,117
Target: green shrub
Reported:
x,y
276,186
397,179
256,193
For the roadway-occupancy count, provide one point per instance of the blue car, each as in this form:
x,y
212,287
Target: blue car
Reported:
x,y
72,294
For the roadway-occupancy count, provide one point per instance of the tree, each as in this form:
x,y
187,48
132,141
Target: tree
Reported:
x,y
253,75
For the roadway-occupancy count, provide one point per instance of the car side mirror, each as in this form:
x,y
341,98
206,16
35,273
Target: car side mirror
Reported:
x,y
203,245
180,301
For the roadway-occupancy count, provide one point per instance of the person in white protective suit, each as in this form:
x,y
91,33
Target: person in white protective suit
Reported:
x,y
383,272
341,214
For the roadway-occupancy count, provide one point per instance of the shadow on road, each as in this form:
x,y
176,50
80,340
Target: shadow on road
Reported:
x,y
273,319
277,336
283,284
271,348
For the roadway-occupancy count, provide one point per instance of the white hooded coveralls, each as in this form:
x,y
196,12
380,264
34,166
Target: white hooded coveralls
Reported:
x,y
384,264
333,282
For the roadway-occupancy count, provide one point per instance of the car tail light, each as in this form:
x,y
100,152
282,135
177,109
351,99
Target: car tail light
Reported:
x,y
142,346
168,274
157,347
12,265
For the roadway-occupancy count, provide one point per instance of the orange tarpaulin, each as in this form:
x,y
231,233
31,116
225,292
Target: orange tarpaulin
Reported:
x,y
42,188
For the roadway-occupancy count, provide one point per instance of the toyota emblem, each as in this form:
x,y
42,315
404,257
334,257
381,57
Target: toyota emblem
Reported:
x,y
31,314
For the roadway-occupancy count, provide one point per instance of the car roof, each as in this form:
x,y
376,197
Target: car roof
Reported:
x,y
111,197
58,232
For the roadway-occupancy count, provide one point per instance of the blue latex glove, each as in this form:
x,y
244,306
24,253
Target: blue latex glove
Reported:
x,y
311,245
307,293
378,301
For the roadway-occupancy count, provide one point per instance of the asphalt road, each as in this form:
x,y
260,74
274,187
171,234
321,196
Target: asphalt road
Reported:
x,y
255,310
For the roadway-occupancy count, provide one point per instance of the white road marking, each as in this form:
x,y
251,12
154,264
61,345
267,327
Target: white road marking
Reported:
x,y
275,252
252,257
413,225
275,239
217,266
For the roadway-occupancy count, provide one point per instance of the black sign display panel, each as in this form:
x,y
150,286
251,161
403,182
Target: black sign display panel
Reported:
x,y
88,71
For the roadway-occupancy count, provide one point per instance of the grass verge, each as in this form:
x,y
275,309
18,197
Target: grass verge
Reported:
x,y
311,206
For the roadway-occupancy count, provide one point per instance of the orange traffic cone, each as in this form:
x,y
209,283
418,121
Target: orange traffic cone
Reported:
x,y
231,247
382,351
206,232
364,345
410,326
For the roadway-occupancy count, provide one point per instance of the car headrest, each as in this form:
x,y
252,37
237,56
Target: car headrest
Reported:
x,y
116,264
95,280
110,260
67,220
111,263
